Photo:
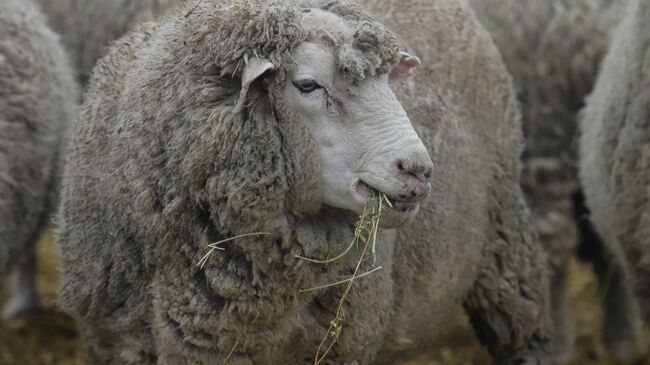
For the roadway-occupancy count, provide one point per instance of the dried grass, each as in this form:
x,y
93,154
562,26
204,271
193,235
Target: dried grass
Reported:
x,y
216,246
365,236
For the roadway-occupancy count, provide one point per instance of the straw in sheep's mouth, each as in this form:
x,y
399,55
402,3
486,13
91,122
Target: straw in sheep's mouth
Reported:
x,y
402,203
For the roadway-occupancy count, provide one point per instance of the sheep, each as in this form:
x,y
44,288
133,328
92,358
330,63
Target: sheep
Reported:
x,y
553,50
37,101
88,26
615,167
276,117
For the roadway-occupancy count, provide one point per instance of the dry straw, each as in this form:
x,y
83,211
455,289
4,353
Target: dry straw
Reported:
x,y
365,236
217,246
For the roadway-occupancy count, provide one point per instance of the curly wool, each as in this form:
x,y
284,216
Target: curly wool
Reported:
x,y
37,103
163,163
374,50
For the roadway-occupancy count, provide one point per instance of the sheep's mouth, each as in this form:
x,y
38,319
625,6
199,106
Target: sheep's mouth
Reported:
x,y
398,202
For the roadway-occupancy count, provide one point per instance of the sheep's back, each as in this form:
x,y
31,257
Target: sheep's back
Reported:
x,y
89,26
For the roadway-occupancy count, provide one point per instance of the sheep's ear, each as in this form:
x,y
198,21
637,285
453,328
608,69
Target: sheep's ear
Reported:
x,y
405,68
255,67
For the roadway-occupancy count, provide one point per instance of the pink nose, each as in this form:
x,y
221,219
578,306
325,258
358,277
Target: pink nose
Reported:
x,y
416,176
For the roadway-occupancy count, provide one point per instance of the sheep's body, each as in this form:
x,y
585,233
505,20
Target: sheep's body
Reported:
x,y
37,101
150,183
615,157
88,26
553,49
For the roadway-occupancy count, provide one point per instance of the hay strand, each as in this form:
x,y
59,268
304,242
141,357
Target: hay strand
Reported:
x,y
342,281
215,246
365,235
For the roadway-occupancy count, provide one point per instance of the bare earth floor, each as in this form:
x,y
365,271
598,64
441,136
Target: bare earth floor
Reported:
x,y
49,337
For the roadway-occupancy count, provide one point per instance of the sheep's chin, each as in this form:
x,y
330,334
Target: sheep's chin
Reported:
x,y
391,218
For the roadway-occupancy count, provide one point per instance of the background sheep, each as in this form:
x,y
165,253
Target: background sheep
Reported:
x,y
88,26
553,49
615,167
187,138
37,100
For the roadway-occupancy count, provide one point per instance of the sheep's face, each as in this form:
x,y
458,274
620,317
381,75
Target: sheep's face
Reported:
x,y
365,139
338,89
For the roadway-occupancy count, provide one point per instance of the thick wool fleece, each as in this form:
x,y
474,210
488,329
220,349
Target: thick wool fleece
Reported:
x,y
87,27
615,149
164,161
37,102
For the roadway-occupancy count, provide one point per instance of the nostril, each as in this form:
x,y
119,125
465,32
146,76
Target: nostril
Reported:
x,y
415,169
413,193
428,171
413,175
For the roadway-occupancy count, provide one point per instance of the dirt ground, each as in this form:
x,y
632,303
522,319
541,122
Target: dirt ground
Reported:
x,y
49,337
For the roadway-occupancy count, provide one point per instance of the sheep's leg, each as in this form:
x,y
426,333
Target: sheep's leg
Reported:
x,y
557,234
622,331
18,250
562,346
622,327
24,296
509,303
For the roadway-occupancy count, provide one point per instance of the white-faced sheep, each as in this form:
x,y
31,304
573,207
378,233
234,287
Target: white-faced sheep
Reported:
x,y
553,49
37,101
277,117
88,26
615,166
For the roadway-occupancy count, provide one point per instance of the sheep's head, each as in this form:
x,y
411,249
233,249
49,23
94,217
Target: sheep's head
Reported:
x,y
338,86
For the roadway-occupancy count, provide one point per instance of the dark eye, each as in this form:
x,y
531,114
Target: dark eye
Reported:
x,y
306,86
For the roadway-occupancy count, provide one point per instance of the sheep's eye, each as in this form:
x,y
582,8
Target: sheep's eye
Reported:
x,y
306,86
